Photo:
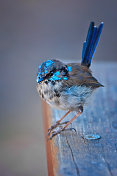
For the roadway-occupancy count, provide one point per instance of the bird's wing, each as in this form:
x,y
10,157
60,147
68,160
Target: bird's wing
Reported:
x,y
81,76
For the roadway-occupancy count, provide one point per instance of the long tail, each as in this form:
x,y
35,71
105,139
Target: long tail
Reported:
x,y
90,44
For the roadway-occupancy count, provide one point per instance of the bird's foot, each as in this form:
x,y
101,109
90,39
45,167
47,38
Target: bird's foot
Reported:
x,y
54,133
55,126
52,127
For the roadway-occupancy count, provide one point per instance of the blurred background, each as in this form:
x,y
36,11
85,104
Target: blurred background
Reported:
x,y
32,31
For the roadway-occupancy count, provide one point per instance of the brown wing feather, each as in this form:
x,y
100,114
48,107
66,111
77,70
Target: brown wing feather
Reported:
x,y
81,75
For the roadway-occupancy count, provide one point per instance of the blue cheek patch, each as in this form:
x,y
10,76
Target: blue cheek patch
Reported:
x,y
69,69
55,76
57,73
65,78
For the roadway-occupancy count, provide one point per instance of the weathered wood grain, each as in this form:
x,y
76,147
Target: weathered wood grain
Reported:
x,y
70,154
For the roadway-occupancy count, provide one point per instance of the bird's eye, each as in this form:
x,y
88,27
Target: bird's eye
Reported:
x,y
38,76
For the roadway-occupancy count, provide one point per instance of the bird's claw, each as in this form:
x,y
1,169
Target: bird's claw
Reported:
x,y
54,133
56,125
52,127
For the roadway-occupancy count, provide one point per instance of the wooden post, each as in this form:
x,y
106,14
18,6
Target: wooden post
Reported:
x,y
72,153
51,149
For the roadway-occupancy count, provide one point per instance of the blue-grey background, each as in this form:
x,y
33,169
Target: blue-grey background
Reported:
x,y
32,31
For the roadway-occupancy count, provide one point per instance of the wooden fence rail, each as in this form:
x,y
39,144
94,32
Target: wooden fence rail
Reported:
x,y
72,153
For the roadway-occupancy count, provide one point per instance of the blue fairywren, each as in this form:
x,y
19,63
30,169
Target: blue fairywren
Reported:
x,y
68,86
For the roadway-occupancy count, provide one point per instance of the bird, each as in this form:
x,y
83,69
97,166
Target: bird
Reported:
x,y
69,86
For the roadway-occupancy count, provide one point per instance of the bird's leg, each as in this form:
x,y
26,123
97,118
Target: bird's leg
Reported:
x,y
62,129
58,123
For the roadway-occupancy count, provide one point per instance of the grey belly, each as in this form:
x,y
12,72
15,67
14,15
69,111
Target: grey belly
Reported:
x,y
75,96
66,98
69,98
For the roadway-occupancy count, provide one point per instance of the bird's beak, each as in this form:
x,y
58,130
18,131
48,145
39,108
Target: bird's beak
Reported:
x,y
39,80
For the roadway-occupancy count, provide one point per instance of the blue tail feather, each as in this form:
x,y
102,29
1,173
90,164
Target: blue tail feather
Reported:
x,y
97,39
88,40
90,44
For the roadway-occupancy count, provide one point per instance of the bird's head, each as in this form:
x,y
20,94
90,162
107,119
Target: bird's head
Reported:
x,y
53,70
